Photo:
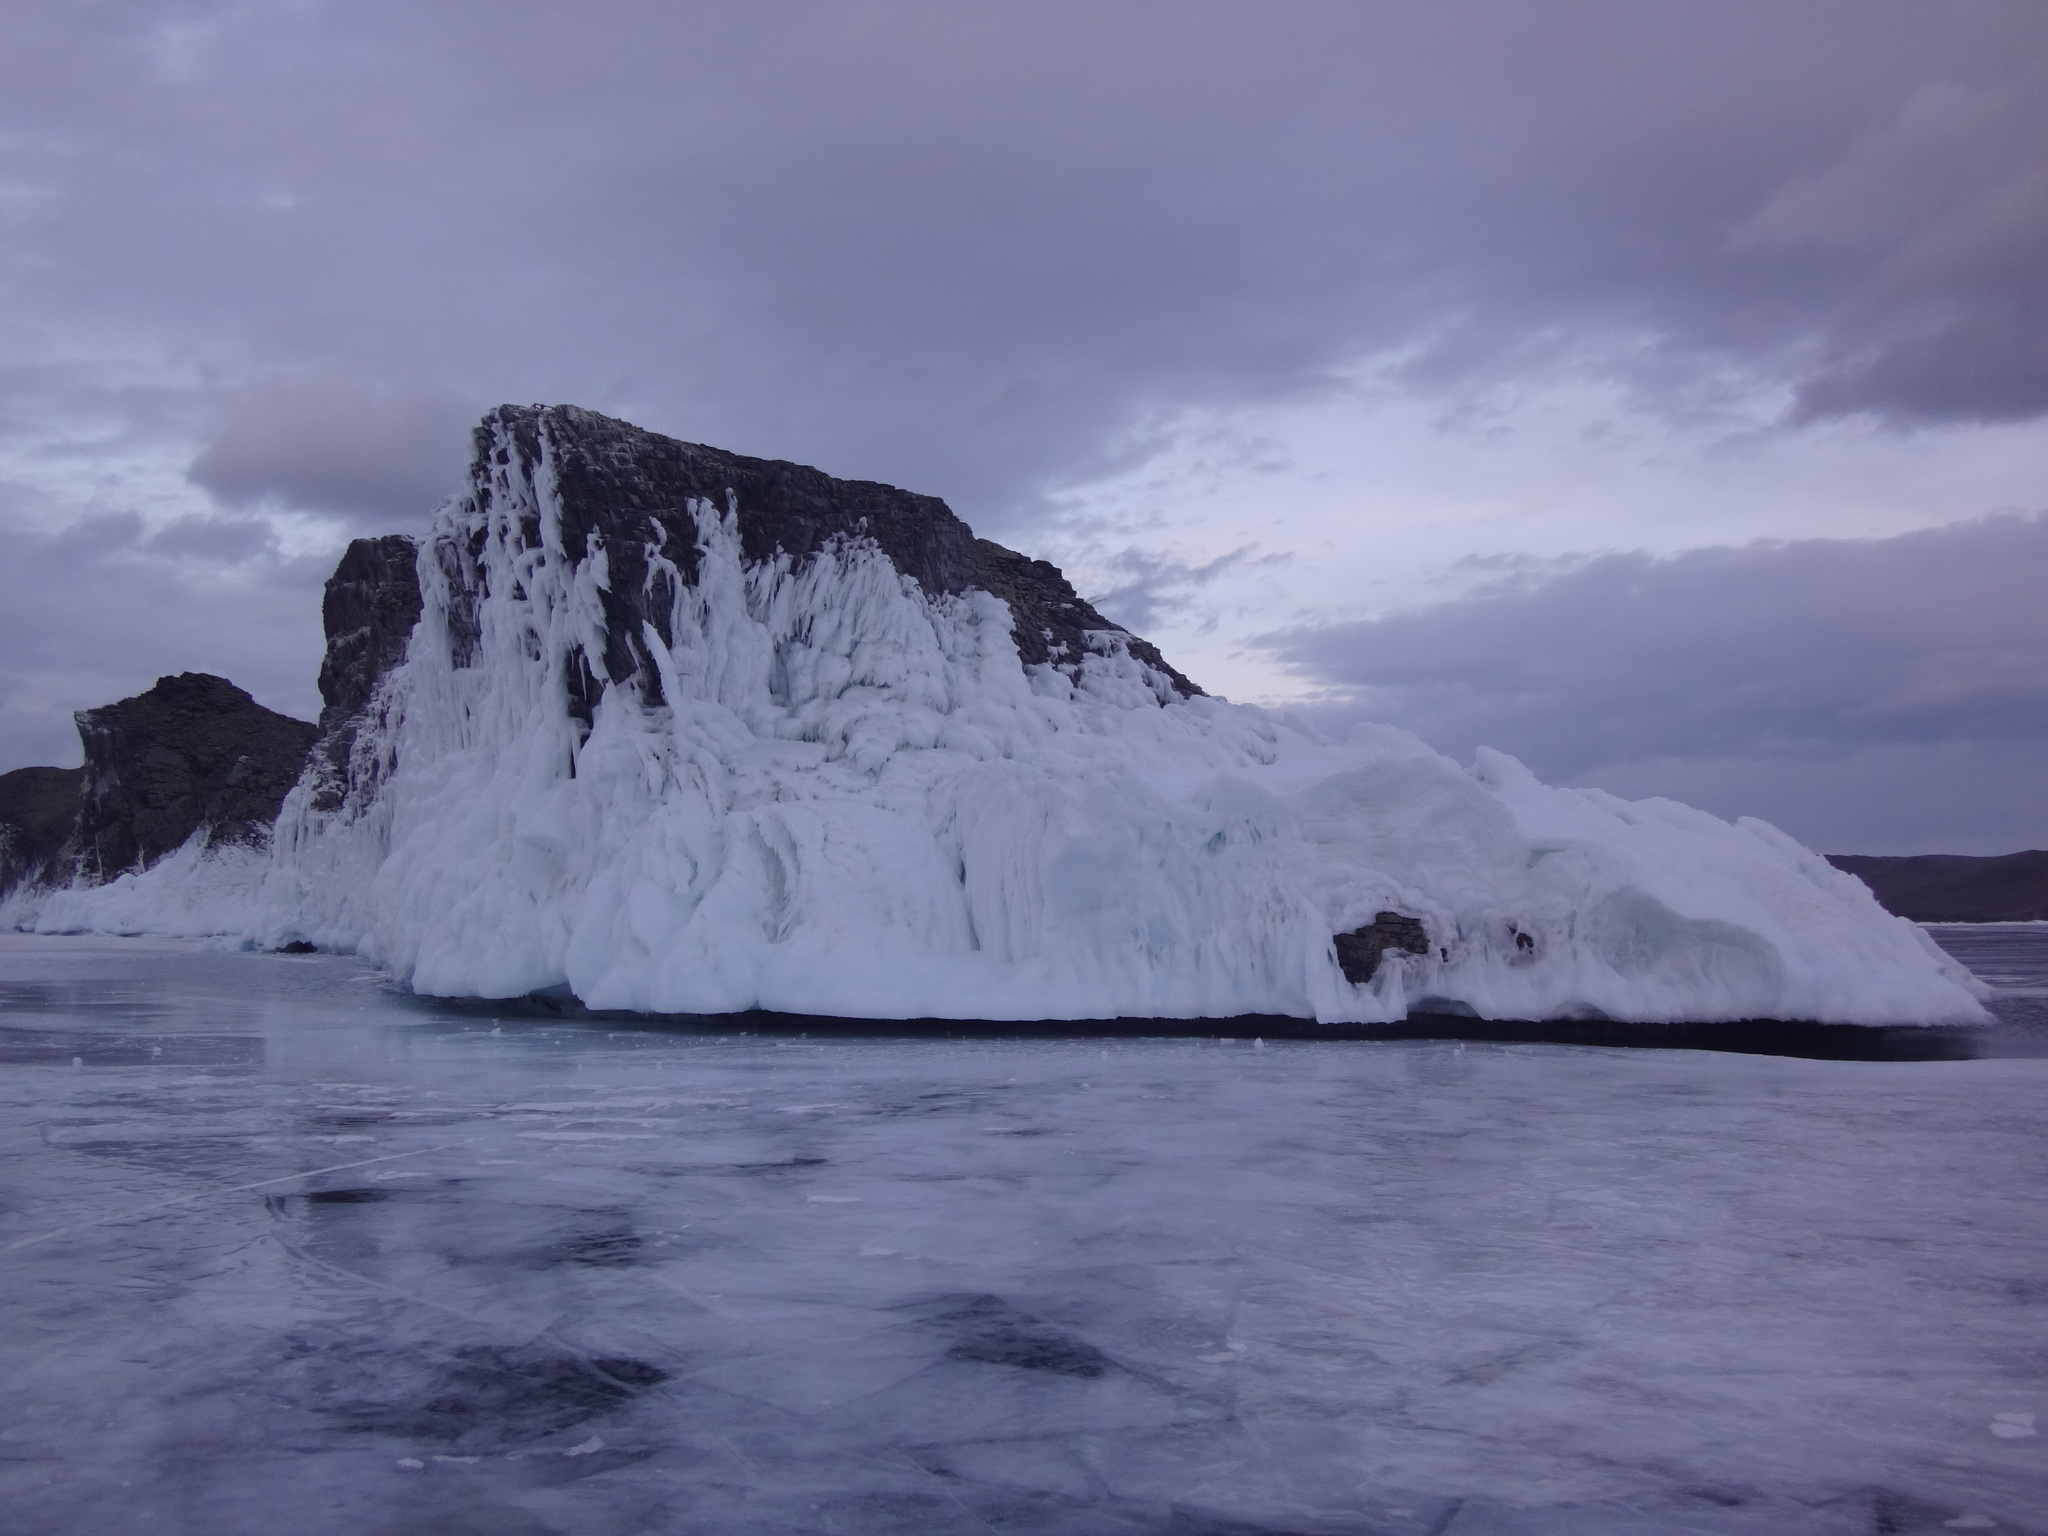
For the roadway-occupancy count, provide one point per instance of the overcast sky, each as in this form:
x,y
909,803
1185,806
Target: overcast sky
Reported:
x,y
1656,391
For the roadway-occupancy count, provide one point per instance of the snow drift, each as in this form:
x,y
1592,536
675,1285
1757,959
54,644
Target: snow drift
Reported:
x,y
680,731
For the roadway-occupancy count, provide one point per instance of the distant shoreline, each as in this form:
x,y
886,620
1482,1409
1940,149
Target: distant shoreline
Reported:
x,y
1956,887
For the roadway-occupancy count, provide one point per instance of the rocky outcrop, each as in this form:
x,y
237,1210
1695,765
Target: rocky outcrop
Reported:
x,y
194,751
38,815
627,488
368,611
1955,887
1359,951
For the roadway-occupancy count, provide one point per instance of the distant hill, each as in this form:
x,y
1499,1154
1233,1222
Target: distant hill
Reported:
x,y
1954,887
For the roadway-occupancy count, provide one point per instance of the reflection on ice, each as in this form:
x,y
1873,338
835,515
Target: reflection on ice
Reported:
x,y
284,1247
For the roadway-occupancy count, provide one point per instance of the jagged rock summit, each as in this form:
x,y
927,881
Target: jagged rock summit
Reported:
x,y
679,731
645,500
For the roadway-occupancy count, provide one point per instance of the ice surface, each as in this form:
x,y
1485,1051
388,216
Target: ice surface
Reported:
x,y
853,799
2011,957
286,1247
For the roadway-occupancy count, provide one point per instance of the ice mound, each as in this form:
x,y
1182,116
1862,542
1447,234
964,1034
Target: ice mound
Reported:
x,y
200,889
779,743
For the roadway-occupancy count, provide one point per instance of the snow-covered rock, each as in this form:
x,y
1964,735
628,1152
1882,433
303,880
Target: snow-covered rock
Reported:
x,y
681,731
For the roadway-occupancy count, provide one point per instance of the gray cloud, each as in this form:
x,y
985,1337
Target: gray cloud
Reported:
x,y
1949,205
378,457
959,247
1724,672
1152,585
223,540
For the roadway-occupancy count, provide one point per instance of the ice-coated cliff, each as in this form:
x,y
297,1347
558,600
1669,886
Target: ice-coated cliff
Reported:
x,y
682,731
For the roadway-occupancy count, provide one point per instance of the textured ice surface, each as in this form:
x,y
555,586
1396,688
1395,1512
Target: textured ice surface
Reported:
x,y
848,796
285,1248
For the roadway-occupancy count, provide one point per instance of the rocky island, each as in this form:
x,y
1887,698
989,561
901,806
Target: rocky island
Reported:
x,y
679,731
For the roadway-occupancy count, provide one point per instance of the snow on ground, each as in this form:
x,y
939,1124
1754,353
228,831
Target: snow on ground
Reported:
x,y
194,891
854,800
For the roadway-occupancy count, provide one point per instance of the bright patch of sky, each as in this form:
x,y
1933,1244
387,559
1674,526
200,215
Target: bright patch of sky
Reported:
x,y
1372,499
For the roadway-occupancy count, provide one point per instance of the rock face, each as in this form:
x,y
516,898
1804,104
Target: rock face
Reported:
x,y
625,488
370,606
38,814
194,751
1955,887
1359,951
369,609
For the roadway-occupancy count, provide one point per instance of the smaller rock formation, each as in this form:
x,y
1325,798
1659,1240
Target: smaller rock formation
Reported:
x,y
1359,951
194,751
38,814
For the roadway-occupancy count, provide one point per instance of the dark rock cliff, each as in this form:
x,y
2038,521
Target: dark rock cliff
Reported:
x,y
368,611
1955,887
616,479
38,814
194,751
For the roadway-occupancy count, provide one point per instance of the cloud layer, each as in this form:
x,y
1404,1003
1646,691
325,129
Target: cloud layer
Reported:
x,y
962,246
1710,673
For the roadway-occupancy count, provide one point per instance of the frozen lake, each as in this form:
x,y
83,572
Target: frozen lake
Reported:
x,y
285,1250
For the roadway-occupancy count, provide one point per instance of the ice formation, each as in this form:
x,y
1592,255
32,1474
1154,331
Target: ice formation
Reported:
x,y
673,754
807,782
